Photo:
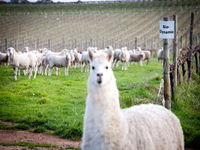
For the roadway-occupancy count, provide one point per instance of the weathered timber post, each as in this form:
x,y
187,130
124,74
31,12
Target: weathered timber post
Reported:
x,y
103,45
63,43
136,43
181,42
49,44
6,44
16,44
91,43
183,70
172,84
173,73
178,75
144,42
38,43
166,70
189,61
196,63
75,43
175,51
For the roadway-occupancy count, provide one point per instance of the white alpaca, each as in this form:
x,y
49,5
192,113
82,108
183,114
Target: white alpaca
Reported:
x,y
108,127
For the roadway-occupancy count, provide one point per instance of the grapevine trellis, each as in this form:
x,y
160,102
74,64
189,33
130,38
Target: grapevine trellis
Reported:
x,y
100,29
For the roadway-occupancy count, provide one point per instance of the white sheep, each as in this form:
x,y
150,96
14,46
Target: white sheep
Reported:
x,y
147,56
45,60
125,56
160,54
25,61
54,60
108,127
3,58
78,57
137,57
85,61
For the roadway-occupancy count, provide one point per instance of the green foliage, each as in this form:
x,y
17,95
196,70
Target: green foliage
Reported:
x,y
187,108
15,127
39,129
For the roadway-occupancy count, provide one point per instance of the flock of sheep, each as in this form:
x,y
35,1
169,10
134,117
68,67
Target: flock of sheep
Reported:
x,y
42,61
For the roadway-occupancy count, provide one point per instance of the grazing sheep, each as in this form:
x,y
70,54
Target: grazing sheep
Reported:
x,y
78,57
160,54
3,58
48,54
25,61
108,127
85,61
147,56
124,57
54,60
117,55
136,57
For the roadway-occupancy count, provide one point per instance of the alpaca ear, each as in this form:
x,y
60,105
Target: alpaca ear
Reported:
x,y
90,55
110,55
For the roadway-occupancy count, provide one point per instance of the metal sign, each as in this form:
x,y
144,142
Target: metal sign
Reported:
x,y
166,29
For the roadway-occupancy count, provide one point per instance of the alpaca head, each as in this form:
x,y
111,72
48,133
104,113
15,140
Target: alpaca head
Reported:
x,y
100,67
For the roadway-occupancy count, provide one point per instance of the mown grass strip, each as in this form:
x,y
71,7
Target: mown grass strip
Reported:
x,y
32,145
14,127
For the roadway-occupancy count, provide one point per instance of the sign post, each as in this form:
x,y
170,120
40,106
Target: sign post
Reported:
x,y
166,32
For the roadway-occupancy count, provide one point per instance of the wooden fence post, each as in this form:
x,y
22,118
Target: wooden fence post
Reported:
x,y
189,61
178,75
181,42
6,44
135,42
196,63
16,44
144,42
175,52
63,43
183,71
166,75
49,44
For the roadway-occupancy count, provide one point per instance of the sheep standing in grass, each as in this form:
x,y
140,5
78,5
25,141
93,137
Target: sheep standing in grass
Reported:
x,y
3,58
147,55
108,127
54,60
137,57
25,61
160,54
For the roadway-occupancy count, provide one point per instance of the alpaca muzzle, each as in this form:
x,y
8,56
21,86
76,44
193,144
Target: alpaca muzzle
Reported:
x,y
99,80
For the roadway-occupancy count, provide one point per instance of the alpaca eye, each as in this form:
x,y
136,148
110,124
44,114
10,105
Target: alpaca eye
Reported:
x,y
93,67
106,67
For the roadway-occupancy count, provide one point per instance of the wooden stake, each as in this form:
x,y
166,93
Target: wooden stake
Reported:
x,y
166,75
189,61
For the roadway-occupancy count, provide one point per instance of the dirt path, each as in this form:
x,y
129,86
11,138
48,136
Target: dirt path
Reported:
x,y
14,136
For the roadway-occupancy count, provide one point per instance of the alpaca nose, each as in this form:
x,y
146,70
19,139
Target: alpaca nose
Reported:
x,y
99,74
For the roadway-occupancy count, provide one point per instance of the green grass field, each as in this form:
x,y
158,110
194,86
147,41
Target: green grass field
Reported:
x,y
56,104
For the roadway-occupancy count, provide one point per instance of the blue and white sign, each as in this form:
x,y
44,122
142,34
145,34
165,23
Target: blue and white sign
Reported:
x,y
166,29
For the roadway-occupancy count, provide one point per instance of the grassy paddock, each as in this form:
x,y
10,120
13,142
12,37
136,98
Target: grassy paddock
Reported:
x,y
56,104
